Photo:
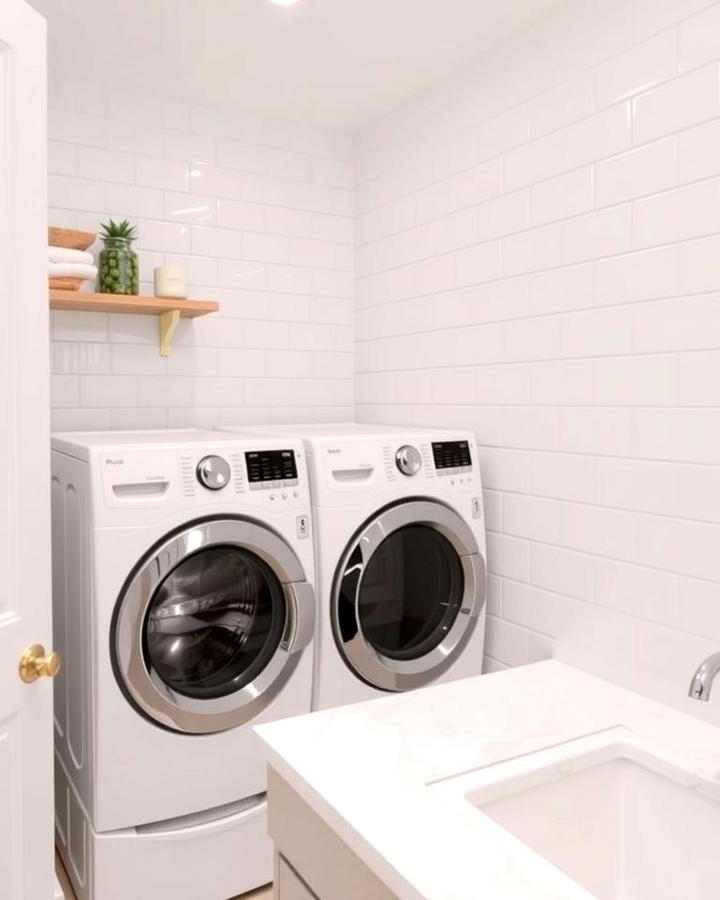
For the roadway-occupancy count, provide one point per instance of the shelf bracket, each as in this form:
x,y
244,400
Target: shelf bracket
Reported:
x,y
168,323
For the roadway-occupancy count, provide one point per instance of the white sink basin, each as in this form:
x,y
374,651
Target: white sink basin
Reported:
x,y
622,820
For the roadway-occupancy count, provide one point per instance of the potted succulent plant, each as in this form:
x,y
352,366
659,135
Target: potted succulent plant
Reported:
x,y
118,263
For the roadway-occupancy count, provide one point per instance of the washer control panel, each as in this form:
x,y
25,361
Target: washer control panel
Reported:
x,y
213,472
274,473
254,474
452,457
271,469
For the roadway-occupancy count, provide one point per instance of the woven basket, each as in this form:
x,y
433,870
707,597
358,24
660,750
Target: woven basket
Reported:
x,y
70,238
66,284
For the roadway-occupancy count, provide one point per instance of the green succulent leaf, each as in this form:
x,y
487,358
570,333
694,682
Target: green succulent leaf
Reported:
x,y
124,229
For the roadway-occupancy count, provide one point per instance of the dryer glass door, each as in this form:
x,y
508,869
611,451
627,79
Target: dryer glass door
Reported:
x,y
411,592
210,625
407,595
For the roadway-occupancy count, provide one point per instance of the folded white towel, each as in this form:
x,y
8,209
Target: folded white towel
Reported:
x,y
71,270
66,255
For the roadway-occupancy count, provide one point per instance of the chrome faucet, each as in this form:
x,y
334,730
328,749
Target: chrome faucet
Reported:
x,y
702,680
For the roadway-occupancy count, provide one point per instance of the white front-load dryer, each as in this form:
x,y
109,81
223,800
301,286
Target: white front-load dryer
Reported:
x,y
184,610
400,558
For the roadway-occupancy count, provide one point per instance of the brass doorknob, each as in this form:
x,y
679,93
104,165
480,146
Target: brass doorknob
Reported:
x,y
34,663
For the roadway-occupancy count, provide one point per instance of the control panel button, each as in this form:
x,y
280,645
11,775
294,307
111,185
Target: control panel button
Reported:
x,y
408,460
213,472
303,526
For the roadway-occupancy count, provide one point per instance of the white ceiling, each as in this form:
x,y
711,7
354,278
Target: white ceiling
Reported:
x,y
335,63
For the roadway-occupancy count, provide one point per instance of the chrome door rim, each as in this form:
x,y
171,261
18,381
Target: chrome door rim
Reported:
x,y
146,689
365,660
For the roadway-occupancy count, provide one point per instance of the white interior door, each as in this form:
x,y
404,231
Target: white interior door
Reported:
x,y
26,738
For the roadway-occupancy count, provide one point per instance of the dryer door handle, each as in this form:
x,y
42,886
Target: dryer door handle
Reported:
x,y
301,609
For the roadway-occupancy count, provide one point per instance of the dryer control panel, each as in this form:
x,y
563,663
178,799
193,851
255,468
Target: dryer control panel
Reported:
x,y
429,459
409,461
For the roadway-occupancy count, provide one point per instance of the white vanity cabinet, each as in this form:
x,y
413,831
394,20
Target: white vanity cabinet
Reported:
x,y
311,860
288,884
467,790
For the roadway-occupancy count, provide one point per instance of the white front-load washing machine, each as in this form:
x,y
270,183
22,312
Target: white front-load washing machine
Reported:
x,y
184,610
400,558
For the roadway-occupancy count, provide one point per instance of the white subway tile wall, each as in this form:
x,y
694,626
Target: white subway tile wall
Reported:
x,y
538,259
260,212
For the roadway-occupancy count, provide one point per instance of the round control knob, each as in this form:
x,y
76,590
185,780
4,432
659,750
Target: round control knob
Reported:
x,y
408,460
213,472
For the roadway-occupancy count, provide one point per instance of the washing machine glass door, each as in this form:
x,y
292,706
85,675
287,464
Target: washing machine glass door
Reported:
x,y
407,595
210,625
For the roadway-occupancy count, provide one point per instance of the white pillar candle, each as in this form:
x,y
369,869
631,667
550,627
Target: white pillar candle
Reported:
x,y
170,281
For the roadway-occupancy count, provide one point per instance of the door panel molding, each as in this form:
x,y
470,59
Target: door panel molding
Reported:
x,y
26,800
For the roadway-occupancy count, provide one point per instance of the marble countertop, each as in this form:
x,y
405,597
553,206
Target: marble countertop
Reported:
x,y
365,769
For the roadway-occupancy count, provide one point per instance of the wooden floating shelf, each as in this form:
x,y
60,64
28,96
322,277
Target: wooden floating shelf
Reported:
x,y
122,303
169,311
